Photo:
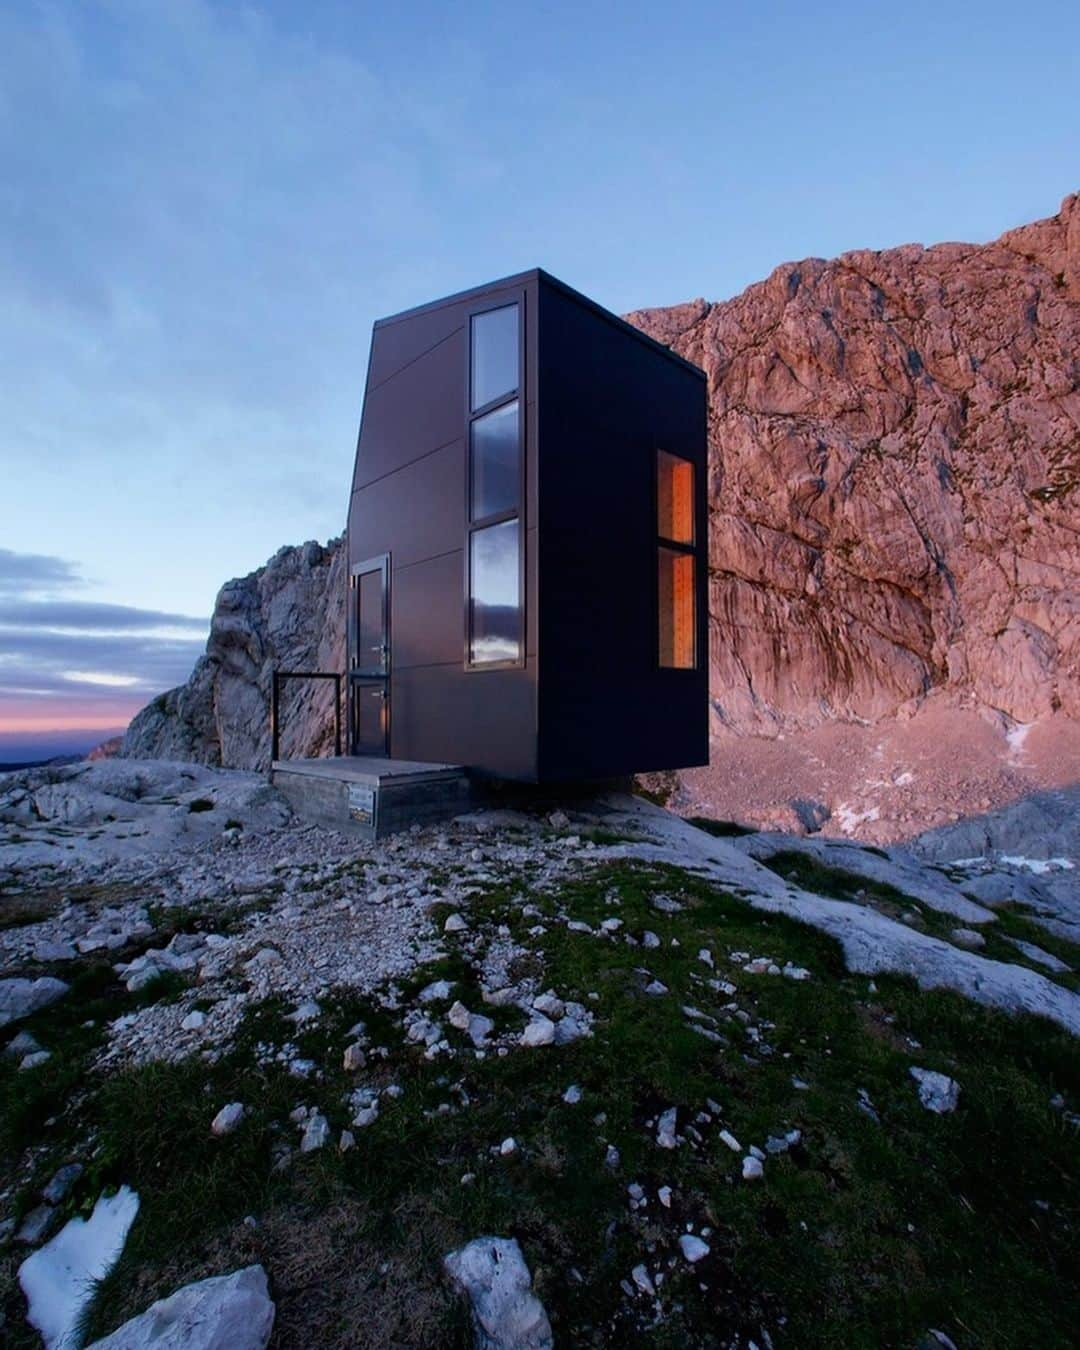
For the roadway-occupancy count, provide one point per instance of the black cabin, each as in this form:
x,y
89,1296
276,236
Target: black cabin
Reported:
x,y
527,541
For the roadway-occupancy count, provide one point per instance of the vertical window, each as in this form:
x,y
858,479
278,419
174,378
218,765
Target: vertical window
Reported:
x,y
676,563
494,544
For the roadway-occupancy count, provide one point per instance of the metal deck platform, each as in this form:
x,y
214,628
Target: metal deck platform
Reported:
x,y
371,797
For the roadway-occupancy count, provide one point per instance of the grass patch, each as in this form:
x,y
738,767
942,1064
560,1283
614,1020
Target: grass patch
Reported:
x,y
867,1233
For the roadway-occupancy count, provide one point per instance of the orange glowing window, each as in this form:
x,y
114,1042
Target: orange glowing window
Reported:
x,y
674,498
676,579
677,609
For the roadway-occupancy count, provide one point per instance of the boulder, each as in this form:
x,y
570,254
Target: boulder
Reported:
x,y
507,1315
19,998
937,1092
225,1312
288,614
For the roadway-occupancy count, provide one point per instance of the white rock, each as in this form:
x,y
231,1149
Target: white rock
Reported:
x,y
640,1276
541,1031
366,1115
225,1312
507,1315
937,1092
455,924
55,951
508,1146
227,1119
611,925
969,938
572,1095
23,1043
19,998
665,1128
316,1133
193,1021
656,988
479,1029
35,1060
499,998
549,1004
436,991
649,939
692,1248
664,1196
726,1137
354,1057
752,1168
705,956
795,972
347,1141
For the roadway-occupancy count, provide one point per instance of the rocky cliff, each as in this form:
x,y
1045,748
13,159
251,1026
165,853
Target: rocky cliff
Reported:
x,y
895,456
290,615
895,459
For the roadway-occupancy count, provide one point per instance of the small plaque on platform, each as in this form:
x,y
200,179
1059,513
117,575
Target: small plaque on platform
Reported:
x,y
362,803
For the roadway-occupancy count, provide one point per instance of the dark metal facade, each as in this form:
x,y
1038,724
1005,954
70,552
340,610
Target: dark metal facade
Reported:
x,y
586,696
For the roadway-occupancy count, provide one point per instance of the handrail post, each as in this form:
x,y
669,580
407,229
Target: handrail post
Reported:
x,y
274,737
277,678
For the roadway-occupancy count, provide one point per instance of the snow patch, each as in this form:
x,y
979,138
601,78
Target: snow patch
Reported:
x,y
849,819
1037,865
58,1279
1016,736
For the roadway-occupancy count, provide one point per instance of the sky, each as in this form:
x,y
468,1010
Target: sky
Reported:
x,y
204,206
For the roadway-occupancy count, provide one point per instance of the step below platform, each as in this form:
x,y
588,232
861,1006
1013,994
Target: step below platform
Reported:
x,y
371,797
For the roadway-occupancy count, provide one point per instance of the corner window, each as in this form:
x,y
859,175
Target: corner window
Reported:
x,y
495,605
494,534
493,355
496,462
676,562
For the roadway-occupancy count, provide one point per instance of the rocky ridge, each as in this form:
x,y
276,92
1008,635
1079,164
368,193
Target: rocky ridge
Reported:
x,y
288,615
894,465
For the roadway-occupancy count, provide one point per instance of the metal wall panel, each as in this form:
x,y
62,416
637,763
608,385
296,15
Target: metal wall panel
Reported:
x,y
416,512
410,500
608,401
427,612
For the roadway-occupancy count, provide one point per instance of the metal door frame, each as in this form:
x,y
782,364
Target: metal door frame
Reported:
x,y
357,674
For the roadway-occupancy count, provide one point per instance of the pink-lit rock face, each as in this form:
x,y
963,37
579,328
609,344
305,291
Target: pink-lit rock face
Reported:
x,y
894,479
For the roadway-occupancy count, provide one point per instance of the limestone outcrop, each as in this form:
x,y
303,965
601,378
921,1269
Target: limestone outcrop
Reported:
x,y
288,615
894,472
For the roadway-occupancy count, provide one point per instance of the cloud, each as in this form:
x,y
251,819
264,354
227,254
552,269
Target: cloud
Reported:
x,y
34,572
86,614
77,656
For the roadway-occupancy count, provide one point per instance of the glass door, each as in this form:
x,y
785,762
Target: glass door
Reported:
x,y
369,657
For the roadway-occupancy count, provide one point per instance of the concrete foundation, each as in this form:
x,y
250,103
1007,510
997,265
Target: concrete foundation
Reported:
x,y
371,797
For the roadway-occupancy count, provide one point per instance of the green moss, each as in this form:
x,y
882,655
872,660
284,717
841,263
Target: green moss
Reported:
x,y
865,1234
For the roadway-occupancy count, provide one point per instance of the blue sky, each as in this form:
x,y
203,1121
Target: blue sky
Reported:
x,y
203,207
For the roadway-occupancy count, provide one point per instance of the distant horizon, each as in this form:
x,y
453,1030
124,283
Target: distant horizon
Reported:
x,y
21,747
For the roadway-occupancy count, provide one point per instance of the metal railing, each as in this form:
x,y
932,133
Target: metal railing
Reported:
x,y
277,678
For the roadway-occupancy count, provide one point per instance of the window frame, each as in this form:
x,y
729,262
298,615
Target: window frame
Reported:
x,y
472,526
693,549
